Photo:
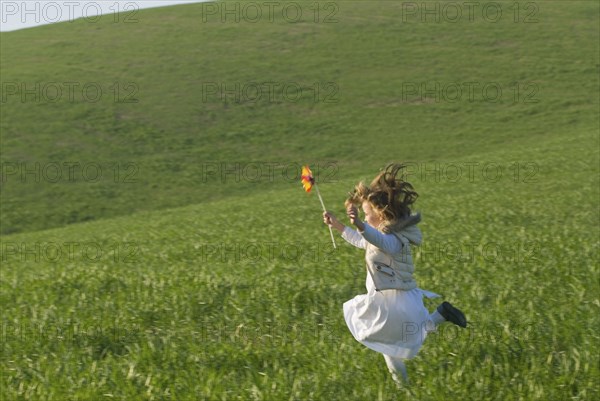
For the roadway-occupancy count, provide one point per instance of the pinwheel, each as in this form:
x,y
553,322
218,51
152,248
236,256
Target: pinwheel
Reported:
x,y
308,181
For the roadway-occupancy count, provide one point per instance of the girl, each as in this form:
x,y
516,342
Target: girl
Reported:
x,y
392,321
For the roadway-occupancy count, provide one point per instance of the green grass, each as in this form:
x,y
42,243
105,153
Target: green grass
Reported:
x,y
180,289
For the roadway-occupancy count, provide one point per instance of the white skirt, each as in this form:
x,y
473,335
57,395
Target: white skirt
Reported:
x,y
393,322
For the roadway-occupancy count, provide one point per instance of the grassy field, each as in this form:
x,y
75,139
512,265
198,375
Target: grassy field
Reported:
x,y
163,248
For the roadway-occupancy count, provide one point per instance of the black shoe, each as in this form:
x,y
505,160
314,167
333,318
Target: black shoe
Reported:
x,y
452,314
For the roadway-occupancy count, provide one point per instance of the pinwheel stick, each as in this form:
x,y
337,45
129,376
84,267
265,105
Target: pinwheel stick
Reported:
x,y
325,210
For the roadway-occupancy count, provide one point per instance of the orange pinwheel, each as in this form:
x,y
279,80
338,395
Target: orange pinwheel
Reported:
x,y
308,181
307,178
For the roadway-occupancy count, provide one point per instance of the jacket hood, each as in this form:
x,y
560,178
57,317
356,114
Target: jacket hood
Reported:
x,y
413,233
408,228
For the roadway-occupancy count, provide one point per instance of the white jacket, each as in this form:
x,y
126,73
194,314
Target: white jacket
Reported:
x,y
388,256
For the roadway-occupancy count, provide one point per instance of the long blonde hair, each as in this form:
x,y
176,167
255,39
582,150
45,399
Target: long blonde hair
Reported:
x,y
388,194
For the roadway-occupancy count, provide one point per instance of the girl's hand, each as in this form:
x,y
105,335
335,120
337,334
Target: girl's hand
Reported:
x,y
330,220
352,213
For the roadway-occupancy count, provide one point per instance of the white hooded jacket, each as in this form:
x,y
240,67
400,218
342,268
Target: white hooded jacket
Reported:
x,y
388,260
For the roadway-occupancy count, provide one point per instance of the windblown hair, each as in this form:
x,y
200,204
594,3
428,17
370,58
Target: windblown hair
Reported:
x,y
388,194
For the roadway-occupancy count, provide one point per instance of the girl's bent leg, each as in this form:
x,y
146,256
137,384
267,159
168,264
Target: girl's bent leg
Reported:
x,y
436,317
397,368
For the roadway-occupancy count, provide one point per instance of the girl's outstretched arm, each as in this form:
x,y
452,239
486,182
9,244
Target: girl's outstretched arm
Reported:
x,y
354,237
388,243
350,235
